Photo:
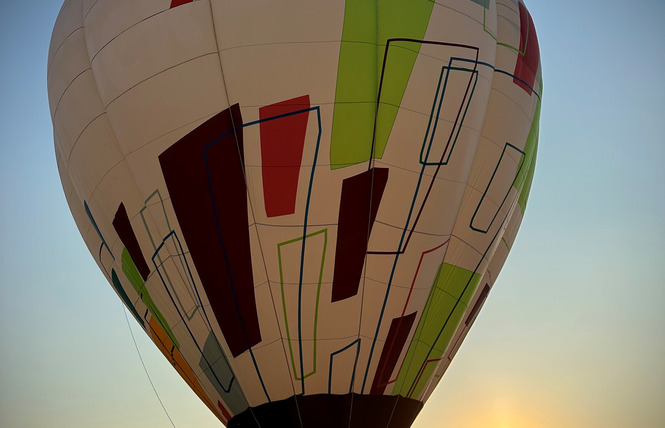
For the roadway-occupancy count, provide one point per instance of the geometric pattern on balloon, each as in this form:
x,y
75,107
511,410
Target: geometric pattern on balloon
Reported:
x,y
294,297
283,129
383,373
482,218
430,169
134,277
169,258
178,361
357,134
451,293
443,128
172,267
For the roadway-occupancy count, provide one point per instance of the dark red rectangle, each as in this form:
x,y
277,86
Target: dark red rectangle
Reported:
x,y
476,307
204,174
355,221
397,335
124,229
282,142
175,3
225,412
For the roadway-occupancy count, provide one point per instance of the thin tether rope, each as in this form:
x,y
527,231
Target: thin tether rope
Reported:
x,y
145,368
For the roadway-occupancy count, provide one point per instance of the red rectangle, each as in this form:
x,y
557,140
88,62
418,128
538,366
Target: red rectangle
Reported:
x,y
528,58
283,128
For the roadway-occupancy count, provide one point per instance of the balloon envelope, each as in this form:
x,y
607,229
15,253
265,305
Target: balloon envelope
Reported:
x,y
305,203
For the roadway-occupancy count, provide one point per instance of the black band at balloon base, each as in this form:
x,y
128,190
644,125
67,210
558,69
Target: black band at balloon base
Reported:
x,y
331,411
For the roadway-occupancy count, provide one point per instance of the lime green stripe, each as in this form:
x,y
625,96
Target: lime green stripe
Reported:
x,y
367,27
525,178
318,293
134,277
433,331
524,193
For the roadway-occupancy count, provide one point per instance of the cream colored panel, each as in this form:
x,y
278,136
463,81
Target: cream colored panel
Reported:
x,y
186,94
451,22
265,74
68,62
69,20
275,373
267,304
94,155
512,228
73,200
461,254
256,22
152,46
78,107
106,19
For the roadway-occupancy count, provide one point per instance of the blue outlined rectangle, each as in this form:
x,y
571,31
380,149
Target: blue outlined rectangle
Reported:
x,y
502,168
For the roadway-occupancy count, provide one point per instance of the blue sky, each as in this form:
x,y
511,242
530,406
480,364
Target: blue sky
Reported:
x,y
572,335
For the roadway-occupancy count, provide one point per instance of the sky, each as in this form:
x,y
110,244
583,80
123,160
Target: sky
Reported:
x,y
571,336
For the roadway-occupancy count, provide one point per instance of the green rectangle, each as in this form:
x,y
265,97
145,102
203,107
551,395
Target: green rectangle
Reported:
x,y
451,293
523,181
367,27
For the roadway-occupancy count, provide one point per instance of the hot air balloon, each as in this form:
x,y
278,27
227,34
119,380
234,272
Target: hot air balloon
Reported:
x,y
303,203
